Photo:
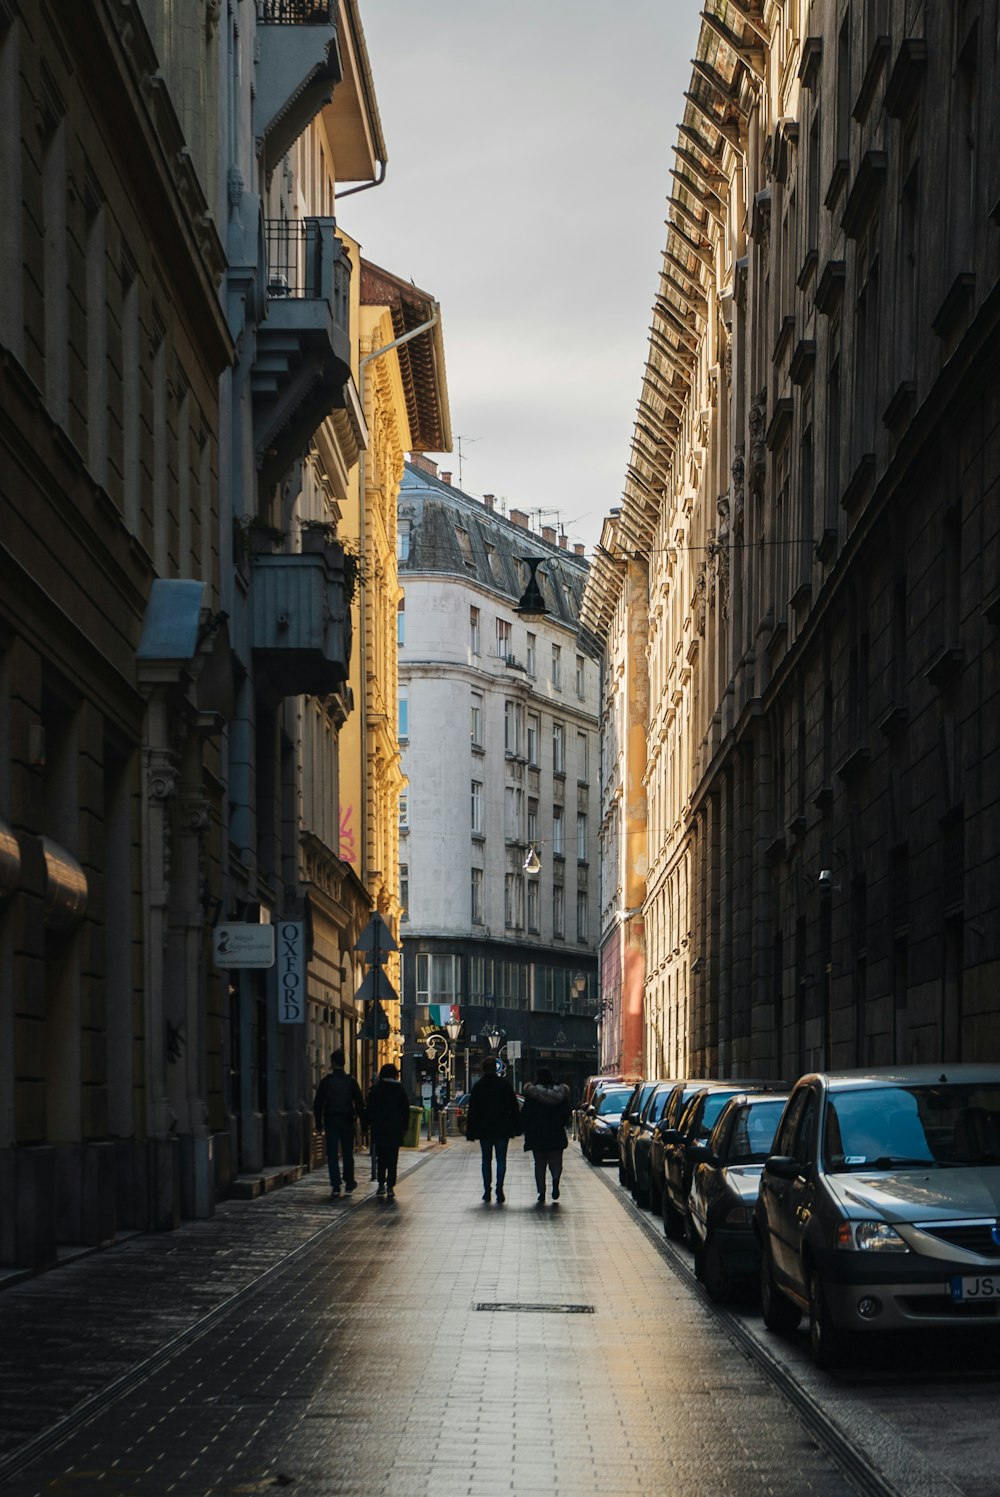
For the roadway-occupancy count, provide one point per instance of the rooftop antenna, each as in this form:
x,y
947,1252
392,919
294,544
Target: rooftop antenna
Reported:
x,y
458,442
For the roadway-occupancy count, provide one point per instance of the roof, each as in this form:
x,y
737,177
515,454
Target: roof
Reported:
x,y
455,534
421,361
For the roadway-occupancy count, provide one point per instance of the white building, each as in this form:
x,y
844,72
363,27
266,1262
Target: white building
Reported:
x,y
498,726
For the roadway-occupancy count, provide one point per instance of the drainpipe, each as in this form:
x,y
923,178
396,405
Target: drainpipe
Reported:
x,y
363,186
376,353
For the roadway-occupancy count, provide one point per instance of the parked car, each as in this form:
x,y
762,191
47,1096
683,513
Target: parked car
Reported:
x,y
630,1121
590,1085
457,1112
695,1123
600,1120
640,1138
680,1095
725,1175
879,1208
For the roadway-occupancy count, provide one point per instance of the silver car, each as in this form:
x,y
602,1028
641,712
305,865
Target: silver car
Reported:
x,y
879,1208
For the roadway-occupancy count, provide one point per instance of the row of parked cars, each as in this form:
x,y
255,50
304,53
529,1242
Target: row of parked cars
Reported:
x,y
866,1201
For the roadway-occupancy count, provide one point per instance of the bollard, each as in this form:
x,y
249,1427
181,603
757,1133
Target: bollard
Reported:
x,y
442,1126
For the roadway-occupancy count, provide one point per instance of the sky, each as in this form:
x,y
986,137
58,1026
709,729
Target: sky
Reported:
x,y
529,148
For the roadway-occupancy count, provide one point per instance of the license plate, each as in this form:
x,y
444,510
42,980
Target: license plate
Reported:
x,y
968,1290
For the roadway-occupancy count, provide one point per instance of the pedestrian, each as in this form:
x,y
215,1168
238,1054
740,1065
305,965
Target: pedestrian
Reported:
x,y
493,1119
546,1113
388,1110
337,1104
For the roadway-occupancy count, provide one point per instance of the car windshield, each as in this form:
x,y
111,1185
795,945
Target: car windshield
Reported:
x,y
612,1101
753,1132
899,1126
714,1103
658,1102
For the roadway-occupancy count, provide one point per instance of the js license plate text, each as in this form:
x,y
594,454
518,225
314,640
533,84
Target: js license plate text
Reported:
x,y
987,1286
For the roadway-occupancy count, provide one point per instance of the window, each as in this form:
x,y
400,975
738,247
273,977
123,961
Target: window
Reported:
x,y
581,914
477,807
404,715
558,843
438,977
582,758
404,891
476,720
534,735
513,901
581,837
474,641
557,667
558,913
530,654
532,821
404,808
513,803
513,726
558,749
503,638
476,910
534,904
581,677
401,622
403,541
465,546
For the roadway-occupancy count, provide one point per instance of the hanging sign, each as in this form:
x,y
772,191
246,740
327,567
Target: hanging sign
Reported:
x,y
291,971
242,944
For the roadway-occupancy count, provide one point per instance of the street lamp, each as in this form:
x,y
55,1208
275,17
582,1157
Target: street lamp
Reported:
x,y
453,1029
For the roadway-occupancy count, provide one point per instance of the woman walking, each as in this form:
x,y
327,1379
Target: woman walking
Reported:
x,y
545,1114
388,1110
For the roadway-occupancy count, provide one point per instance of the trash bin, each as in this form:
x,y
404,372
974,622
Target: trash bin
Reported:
x,y
411,1137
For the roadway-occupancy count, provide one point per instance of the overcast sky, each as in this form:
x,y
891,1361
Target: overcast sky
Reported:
x,y
529,152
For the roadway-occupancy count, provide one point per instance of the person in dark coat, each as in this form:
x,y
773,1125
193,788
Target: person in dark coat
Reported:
x,y
337,1103
493,1119
546,1113
388,1109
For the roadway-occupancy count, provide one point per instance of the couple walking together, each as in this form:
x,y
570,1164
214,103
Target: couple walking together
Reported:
x,y
494,1118
339,1105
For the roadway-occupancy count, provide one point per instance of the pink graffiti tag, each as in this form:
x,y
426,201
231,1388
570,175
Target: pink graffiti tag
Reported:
x,y
348,851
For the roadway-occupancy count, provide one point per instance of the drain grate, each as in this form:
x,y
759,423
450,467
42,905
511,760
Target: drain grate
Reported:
x,y
534,1308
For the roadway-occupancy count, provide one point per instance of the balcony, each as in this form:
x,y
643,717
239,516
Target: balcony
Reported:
x,y
298,65
303,346
301,622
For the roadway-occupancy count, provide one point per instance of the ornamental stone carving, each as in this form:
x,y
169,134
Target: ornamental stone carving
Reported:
x,y
758,450
738,479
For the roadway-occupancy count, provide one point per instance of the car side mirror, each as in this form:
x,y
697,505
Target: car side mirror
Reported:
x,y
700,1153
670,1135
783,1166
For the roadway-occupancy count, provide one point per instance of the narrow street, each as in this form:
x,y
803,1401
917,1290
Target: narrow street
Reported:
x,y
441,1346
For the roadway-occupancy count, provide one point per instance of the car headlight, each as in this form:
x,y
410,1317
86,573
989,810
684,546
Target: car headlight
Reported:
x,y
870,1237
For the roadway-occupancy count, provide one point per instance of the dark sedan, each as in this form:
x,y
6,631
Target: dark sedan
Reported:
x,y
640,1138
599,1123
629,1124
724,1191
680,1094
694,1124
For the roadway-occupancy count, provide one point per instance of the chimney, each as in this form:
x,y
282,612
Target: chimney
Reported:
x,y
488,501
549,534
425,464
518,517
578,550
563,541
446,478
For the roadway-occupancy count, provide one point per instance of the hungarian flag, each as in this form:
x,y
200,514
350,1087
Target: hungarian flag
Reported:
x,y
443,1013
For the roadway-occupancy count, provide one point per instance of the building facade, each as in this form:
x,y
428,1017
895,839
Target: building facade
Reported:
x,y
813,488
497,720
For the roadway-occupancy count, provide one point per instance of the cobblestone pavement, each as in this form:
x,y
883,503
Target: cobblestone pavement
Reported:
x,y
434,1345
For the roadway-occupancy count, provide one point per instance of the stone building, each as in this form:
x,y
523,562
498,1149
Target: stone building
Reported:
x,y
498,727
813,486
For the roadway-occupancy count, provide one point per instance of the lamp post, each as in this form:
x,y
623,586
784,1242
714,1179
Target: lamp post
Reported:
x,y
453,1029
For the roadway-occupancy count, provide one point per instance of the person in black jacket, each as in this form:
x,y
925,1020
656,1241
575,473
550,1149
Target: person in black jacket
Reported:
x,y
388,1110
337,1103
546,1113
493,1118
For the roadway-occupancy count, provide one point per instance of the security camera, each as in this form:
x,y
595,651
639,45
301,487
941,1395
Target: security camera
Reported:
x,y
826,880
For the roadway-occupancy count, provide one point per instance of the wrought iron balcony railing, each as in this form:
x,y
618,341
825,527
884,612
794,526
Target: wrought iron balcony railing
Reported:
x,y
305,260
295,12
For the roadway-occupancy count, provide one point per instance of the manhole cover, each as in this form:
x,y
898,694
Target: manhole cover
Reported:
x,y
535,1309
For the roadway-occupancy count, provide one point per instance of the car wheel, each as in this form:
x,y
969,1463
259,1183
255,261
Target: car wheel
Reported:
x,y
640,1192
779,1313
655,1194
713,1273
673,1222
830,1346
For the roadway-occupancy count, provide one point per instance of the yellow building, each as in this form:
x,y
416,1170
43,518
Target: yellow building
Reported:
x,y
404,397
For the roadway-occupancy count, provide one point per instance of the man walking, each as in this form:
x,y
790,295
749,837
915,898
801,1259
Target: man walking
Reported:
x,y
493,1118
338,1102
388,1110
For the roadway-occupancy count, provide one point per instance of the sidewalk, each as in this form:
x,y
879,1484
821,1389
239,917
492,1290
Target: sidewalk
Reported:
x,y
434,1345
